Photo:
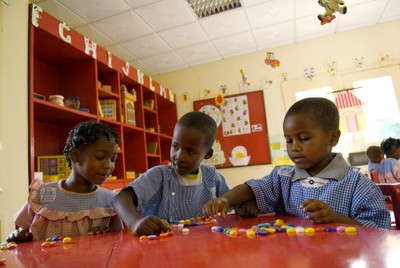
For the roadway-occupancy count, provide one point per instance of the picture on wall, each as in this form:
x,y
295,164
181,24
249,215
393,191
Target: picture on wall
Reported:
x,y
242,136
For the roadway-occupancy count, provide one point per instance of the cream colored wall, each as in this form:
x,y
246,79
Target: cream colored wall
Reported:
x,y
13,111
344,47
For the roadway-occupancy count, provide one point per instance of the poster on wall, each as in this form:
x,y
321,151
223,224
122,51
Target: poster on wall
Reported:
x,y
242,136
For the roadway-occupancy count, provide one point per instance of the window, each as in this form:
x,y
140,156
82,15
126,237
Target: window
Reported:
x,y
377,117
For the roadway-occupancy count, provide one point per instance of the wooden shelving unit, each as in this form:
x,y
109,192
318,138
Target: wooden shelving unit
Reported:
x,y
62,63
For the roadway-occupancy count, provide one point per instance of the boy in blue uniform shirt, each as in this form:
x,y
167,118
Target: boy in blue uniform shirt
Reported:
x,y
177,191
321,186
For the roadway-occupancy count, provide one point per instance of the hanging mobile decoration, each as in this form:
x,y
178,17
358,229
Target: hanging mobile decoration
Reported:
x,y
331,6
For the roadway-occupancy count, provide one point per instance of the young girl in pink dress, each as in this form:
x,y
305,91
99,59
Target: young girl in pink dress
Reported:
x,y
76,205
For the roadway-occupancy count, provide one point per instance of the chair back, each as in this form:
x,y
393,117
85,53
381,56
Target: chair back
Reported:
x,y
374,176
393,190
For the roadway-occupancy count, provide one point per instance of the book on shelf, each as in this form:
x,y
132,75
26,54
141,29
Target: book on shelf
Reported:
x,y
152,147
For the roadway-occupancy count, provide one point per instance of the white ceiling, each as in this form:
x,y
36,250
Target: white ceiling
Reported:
x,y
158,36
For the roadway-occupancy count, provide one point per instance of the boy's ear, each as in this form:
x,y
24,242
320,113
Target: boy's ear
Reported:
x,y
209,154
335,137
74,155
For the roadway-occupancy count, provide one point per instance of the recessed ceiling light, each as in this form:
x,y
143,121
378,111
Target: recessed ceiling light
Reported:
x,y
204,8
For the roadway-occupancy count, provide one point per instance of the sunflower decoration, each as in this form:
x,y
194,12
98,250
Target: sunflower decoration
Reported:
x,y
220,100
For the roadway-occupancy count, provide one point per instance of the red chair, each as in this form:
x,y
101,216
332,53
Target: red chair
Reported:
x,y
374,176
393,190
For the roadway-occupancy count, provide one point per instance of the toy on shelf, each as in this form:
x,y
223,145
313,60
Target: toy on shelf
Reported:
x,y
73,102
128,106
331,6
109,108
54,167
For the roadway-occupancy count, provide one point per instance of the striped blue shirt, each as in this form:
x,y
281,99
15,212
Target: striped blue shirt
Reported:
x,y
345,189
159,193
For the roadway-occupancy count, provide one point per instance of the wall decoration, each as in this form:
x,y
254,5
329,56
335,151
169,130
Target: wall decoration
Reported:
x,y
185,96
265,82
204,93
351,111
331,6
386,58
223,89
279,154
359,64
271,60
220,100
284,77
309,73
331,67
244,85
242,129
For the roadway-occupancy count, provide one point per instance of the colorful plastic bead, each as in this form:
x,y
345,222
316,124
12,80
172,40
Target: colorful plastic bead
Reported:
x,y
67,240
350,229
340,228
330,229
185,230
152,237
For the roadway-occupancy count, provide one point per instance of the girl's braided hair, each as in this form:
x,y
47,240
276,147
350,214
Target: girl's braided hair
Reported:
x,y
87,133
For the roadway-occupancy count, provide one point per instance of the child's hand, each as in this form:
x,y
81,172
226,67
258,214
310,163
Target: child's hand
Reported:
x,y
19,236
247,210
150,225
215,206
319,211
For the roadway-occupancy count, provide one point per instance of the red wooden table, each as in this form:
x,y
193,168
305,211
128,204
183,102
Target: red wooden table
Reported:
x,y
203,248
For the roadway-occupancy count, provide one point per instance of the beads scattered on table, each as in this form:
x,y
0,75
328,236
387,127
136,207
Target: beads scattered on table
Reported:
x,y
8,245
279,226
52,241
181,225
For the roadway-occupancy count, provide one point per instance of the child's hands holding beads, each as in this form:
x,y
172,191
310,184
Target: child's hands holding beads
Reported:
x,y
150,225
20,235
319,211
216,206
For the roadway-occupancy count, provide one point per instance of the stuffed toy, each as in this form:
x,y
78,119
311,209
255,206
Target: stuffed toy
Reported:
x,y
331,6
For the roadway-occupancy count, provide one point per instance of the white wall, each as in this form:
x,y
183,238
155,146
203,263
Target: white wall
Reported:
x,y
367,42
13,111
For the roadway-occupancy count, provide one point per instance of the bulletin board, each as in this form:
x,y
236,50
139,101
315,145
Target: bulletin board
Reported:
x,y
242,137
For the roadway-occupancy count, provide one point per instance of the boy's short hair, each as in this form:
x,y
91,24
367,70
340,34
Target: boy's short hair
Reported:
x,y
202,123
373,151
321,111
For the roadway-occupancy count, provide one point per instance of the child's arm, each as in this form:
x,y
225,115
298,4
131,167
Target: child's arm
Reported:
x,y
125,204
320,212
234,197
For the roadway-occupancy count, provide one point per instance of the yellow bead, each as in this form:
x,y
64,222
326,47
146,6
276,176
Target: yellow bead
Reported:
x,y
67,240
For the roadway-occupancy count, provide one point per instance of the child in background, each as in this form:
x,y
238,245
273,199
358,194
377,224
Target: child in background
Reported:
x,y
76,205
389,170
375,156
177,191
321,185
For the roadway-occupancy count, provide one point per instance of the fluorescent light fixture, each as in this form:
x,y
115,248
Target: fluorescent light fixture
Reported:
x,y
204,8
